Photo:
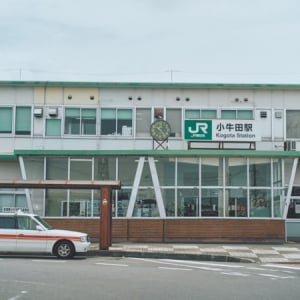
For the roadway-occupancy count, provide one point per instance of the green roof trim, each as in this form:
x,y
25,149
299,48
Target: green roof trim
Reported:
x,y
8,156
148,85
206,152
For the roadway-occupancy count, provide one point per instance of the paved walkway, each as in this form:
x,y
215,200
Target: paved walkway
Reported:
x,y
261,253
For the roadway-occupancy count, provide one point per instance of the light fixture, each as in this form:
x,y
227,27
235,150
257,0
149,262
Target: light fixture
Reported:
x,y
187,99
92,97
245,99
177,99
130,98
139,98
69,97
236,99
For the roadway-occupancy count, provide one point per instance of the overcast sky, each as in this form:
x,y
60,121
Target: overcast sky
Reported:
x,y
224,41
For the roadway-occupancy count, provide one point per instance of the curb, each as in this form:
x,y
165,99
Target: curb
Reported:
x,y
158,255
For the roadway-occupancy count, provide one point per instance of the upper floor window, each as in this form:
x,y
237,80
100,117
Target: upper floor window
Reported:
x,y
173,116
237,114
116,121
80,121
200,114
53,127
293,124
22,119
6,119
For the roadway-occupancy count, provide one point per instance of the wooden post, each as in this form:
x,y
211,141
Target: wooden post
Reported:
x,y
106,219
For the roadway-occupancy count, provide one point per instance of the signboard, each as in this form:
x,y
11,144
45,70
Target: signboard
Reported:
x,y
221,130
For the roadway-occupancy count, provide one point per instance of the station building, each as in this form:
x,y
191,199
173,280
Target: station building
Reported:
x,y
197,162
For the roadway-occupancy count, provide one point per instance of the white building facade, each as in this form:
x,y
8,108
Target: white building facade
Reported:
x,y
231,154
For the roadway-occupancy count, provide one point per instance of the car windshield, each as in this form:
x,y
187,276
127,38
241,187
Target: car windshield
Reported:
x,y
43,222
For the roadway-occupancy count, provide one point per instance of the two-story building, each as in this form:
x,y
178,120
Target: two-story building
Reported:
x,y
197,162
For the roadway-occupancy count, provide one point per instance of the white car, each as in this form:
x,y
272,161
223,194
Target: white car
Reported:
x,y
28,233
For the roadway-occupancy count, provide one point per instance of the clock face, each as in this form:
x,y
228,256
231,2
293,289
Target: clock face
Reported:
x,y
160,130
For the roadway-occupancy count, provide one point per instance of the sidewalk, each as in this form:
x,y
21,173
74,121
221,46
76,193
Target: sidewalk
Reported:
x,y
260,253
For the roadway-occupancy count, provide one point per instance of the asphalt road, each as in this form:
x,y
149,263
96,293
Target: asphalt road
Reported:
x,y
132,278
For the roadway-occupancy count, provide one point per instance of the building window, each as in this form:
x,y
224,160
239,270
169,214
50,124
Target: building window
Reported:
x,y
240,114
23,120
200,114
293,124
174,119
53,127
116,121
5,119
143,122
80,121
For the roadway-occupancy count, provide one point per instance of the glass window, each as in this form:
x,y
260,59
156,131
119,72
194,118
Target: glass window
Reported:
x,y
123,201
55,199
168,196
244,114
146,205
236,173
72,121
293,124
5,119
23,120
228,114
7,222
143,122
26,223
127,169
174,119
260,203
80,121
116,121
211,172
53,127
81,169
88,120
166,171
208,114
236,203
57,168
105,168
188,172
260,172
200,114
124,122
212,202
192,114
187,202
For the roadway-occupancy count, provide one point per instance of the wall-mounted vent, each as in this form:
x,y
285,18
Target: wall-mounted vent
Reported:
x,y
263,114
278,114
38,112
53,112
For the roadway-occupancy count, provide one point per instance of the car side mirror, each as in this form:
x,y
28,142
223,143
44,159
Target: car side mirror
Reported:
x,y
39,228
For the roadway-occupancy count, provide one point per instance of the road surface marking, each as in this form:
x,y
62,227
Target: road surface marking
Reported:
x,y
283,266
18,296
235,274
204,263
49,261
113,265
176,269
276,276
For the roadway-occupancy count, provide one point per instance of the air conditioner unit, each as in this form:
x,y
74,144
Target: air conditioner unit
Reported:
x,y
53,112
38,112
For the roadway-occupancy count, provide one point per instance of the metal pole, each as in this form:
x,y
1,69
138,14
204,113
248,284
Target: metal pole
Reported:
x,y
106,219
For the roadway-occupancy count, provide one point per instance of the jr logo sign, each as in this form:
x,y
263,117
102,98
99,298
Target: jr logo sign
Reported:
x,y
198,129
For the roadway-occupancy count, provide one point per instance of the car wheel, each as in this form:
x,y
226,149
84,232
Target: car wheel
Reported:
x,y
64,249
